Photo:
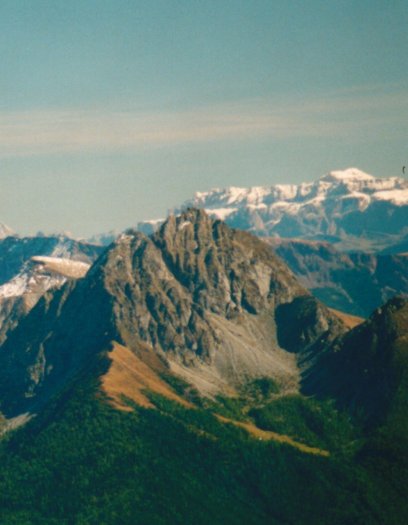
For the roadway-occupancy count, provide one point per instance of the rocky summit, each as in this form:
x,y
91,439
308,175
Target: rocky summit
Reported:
x,y
208,303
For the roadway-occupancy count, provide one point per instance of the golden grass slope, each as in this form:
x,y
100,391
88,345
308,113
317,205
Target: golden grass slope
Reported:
x,y
128,377
267,435
349,320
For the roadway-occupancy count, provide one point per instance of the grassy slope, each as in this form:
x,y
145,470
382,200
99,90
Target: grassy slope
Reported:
x,y
84,462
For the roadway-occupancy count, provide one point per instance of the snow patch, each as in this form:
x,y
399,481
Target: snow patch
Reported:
x,y
66,267
350,174
398,197
183,225
41,274
220,213
15,287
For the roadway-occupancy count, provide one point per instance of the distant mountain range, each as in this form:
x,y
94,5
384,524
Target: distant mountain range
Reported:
x,y
356,282
312,227
350,209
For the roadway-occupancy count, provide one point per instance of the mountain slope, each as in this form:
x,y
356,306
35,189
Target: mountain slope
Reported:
x,y
17,251
366,370
31,266
84,462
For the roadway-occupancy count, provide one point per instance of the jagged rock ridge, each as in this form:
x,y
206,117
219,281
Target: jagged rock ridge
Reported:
x,y
201,300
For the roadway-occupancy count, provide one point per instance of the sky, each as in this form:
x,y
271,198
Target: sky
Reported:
x,y
115,111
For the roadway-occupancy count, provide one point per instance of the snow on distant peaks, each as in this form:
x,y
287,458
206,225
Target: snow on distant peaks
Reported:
x,y
342,204
350,174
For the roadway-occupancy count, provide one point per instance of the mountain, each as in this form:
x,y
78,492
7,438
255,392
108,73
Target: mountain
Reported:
x,y
349,208
168,386
30,266
356,283
197,299
366,370
16,251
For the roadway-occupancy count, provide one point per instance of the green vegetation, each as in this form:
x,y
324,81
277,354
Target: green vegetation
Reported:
x,y
261,389
84,463
254,393
310,421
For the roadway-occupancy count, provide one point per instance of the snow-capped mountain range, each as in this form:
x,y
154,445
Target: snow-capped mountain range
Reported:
x,y
350,208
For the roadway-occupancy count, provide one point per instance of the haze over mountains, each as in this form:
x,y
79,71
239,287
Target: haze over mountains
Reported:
x,y
351,209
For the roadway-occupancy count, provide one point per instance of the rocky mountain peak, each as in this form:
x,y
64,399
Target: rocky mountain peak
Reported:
x,y
205,301
205,298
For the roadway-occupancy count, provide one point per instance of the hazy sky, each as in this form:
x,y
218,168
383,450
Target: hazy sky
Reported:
x,y
113,111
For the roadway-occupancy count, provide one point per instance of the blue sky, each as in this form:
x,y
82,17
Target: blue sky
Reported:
x,y
115,111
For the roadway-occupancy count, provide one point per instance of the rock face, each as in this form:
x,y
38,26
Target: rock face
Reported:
x,y
355,283
350,208
201,300
205,297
